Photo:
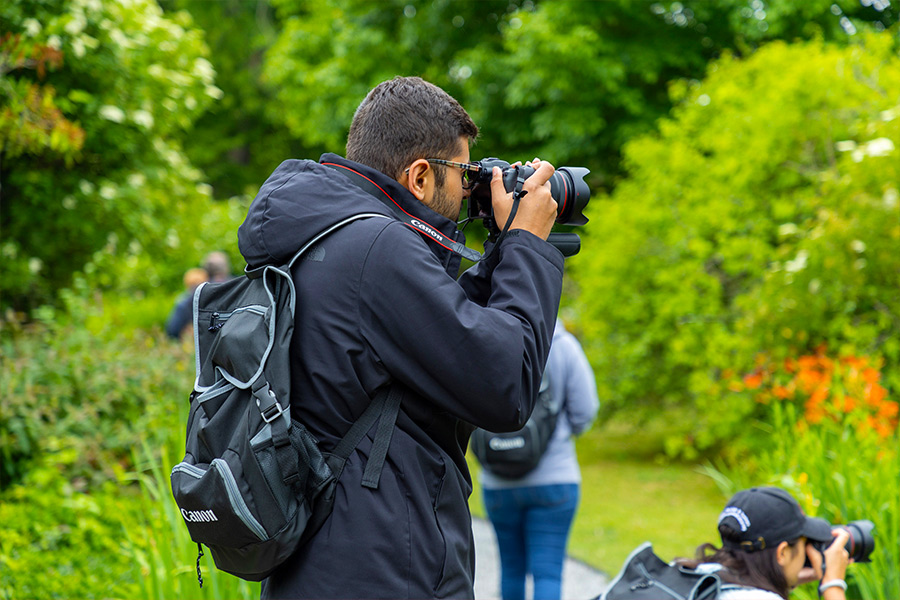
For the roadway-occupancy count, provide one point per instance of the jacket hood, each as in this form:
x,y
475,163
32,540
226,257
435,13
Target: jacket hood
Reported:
x,y
302,198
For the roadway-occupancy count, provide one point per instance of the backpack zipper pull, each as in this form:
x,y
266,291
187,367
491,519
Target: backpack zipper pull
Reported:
x,y
213,325
199,556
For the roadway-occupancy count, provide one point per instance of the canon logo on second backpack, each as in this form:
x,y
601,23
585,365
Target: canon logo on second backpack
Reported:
x,y
198,516
507,444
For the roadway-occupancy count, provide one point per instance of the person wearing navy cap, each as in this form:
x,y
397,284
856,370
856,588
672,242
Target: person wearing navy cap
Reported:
x,y
765,549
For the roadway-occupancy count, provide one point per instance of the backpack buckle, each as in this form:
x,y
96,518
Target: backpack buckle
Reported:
x,y
273,409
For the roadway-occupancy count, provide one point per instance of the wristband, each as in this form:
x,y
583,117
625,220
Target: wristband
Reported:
x,y
833,583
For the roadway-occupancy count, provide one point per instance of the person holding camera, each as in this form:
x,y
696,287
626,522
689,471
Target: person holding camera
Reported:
x,y
379,305
769,547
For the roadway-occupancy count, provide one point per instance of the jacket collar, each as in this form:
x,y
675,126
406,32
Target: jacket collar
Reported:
x,y
395,196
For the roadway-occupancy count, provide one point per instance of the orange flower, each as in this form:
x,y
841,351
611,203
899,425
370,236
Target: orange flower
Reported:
x,y
808,362
854,362
888,410
781,392
753,381
818,396
809,379
875,394
884,430
814,414
871,375
850,403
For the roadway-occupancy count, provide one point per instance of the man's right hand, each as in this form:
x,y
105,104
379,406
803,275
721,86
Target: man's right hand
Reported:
x,y
537,209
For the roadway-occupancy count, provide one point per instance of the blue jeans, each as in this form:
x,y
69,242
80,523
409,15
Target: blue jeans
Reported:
x,y
532,526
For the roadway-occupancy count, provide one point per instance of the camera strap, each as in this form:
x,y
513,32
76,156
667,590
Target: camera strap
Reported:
x,y
430,232
518,194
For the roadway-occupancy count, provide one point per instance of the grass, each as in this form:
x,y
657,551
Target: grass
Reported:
x,y
630,495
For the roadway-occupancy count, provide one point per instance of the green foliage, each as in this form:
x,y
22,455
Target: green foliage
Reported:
x,y
163,548
90,418
84,396
760,219
132,80
60,541
330,54
236,142
569,81
30,122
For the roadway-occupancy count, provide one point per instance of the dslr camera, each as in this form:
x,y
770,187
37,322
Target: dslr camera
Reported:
x,y
567,187
861,542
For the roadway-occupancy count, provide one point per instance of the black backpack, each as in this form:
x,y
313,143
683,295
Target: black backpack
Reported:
x,y
254,484
645,576
514,454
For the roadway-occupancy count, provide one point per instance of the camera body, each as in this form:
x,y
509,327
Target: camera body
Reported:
x,y
861,542
567,187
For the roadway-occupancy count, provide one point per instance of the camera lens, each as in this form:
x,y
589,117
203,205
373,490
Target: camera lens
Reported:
x,y
571,193
861,542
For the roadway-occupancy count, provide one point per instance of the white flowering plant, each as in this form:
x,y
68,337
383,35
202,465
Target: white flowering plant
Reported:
x,y
95,97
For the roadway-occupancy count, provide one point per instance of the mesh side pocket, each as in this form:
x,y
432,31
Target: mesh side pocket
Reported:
x,y
284,496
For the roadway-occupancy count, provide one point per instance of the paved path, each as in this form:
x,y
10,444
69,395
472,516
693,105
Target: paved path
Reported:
x,y
580,581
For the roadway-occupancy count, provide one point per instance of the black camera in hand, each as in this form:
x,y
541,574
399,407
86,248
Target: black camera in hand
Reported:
x,y
861,542
567,187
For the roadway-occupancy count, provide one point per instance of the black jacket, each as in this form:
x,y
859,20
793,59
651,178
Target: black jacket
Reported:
x,y
378,301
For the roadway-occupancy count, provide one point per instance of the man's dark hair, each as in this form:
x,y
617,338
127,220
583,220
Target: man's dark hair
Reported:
x,y
404,119
759,569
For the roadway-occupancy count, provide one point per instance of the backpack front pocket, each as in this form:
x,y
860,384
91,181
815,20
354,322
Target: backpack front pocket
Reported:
x,y
212,506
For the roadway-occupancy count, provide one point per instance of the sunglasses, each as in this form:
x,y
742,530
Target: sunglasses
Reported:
x,y
467,181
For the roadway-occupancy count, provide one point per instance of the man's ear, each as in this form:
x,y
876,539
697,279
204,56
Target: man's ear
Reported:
x,y
418,178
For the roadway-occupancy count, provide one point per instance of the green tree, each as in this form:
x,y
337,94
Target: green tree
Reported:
x,y
124,199
330,54
238,141
571,81
762,218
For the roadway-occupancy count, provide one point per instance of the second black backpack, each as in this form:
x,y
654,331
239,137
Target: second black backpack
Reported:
x,y
254,483
515,454
645,576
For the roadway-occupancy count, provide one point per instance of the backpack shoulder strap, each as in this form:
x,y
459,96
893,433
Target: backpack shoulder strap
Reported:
x,y
384,409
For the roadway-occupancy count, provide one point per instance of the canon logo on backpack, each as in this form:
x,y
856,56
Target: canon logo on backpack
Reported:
x,y
198,516
501,444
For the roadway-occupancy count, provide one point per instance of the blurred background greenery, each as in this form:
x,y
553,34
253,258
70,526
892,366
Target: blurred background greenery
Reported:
x,y
737,290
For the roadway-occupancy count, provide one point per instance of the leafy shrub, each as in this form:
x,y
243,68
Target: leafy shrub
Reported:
x,y
84,396
833,442
90,412
121,202
59,541
761,217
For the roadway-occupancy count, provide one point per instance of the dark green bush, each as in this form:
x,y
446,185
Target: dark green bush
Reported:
x,y
85,397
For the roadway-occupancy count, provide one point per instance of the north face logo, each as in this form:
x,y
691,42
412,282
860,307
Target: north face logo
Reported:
x,y
198,516
316,254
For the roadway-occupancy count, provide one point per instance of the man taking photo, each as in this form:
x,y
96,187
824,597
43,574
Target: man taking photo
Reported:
x,y
378,304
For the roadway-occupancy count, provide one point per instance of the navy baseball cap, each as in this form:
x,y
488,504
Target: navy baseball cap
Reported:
x,y
766,516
